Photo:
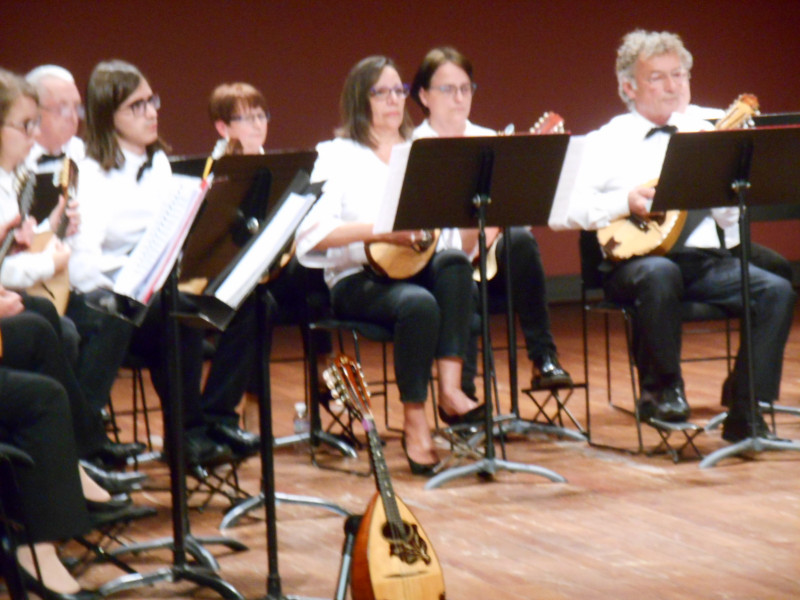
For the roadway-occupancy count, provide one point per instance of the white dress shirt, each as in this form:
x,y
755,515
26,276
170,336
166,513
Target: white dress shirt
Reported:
x,y
619,157
450,238
355,182
74,148
115,211
20,270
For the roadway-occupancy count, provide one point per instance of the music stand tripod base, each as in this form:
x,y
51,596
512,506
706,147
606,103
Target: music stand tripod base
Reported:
x,y
202,577
490,466
755,444
299,438
237,512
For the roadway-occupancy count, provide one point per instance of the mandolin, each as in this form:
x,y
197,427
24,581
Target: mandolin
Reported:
x,y
24,186
392,556
657,233
401,262
56,289
549,123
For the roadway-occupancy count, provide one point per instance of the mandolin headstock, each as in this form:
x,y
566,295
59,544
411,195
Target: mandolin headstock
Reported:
x,y
549,122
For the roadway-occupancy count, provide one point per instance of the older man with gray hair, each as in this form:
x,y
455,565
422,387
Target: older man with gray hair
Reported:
x,y
620,161
61,113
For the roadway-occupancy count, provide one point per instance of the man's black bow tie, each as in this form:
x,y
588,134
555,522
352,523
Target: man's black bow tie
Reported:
x,y
668,129
46,158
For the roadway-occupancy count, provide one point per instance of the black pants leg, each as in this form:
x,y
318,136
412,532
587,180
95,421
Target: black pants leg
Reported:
x,y
35,417
31,344
429,315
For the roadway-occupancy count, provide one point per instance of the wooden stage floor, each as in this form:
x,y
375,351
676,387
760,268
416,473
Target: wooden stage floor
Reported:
x,y
623,527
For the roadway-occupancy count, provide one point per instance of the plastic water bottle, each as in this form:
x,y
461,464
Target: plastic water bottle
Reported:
x,y
301,424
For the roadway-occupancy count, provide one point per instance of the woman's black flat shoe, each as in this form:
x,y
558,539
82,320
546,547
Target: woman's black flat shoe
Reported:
x,y
418,468
471,417
37,587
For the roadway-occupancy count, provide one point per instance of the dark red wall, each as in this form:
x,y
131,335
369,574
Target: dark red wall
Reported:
x,y
529,57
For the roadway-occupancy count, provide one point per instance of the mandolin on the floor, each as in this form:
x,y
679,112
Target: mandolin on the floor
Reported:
x,y
393,559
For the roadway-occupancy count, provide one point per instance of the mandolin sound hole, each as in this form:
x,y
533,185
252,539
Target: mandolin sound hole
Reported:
x,y
406,543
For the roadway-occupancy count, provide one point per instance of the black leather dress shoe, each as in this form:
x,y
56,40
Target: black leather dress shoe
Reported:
x,y
737,427
112,481
672,406
549,373
201,450
647,404
243,443
117,455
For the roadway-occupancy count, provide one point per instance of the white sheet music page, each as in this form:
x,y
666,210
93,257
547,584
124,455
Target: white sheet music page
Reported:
x,y
264,251
564,199
394,185
155,254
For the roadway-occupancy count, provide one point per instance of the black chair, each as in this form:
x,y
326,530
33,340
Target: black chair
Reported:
x,y
594,301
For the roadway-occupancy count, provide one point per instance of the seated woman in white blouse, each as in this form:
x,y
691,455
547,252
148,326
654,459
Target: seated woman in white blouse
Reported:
x,y
124,181
444,87
428,312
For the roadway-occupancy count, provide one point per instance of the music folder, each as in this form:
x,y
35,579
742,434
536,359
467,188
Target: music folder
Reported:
x,y
252,209
699,168
443,175
155,255
45,195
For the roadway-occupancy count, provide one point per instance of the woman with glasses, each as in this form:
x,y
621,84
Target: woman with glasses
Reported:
x,y
241,117
444,87
125,180
430,312
42,409
20,125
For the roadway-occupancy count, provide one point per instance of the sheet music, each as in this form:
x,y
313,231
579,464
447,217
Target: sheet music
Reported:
x,y
264,251
394,185
155,254
563,201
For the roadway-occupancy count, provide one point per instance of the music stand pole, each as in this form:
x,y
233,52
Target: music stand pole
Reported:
x,y
753,443
182,538
489,465
514,422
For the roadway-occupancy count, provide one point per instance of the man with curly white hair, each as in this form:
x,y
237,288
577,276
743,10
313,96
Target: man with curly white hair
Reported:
x,y
620,161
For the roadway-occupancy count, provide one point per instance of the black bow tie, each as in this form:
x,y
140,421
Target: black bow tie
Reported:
x,y
668,129
45,158
147,164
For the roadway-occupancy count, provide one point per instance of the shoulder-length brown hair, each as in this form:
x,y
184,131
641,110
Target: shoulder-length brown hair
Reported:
x,y
356,112
432,61
110,84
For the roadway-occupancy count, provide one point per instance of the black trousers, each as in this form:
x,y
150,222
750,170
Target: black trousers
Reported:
x,y
657,285
30,343
429,314
35,417
301,296
528,295
105,341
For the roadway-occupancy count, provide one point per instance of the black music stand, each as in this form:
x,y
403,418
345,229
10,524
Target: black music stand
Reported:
x,y
277,175
450,182
235,206
273,177
749,167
